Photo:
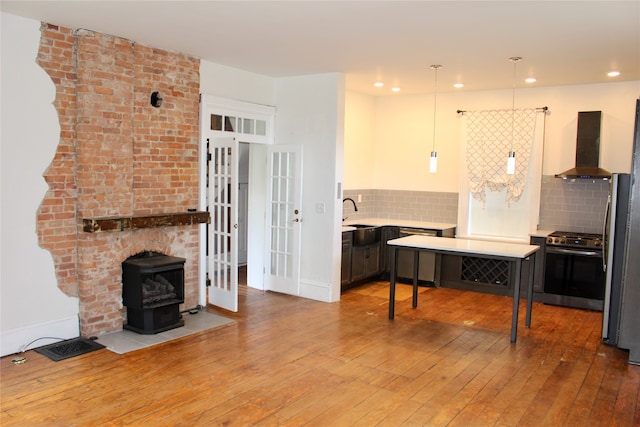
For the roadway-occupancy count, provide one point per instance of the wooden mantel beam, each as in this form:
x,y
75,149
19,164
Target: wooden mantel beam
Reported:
x,y
122,223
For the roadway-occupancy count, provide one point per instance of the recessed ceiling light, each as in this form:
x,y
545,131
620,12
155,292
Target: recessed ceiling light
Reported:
x,y
395,89
458,85
613,73
378,84
530,80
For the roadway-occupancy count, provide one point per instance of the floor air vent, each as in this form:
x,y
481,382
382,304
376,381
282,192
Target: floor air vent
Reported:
x,y
69,348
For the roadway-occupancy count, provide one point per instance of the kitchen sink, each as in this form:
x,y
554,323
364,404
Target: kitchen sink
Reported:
x,y
365,234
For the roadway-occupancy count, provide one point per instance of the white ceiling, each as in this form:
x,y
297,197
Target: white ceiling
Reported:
x,y
561,42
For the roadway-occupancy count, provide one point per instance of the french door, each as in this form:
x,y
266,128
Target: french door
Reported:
x,y
284,218
220,121
222,234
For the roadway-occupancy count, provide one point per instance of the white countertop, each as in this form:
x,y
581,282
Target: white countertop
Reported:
x,y
541,233
382,222
479,247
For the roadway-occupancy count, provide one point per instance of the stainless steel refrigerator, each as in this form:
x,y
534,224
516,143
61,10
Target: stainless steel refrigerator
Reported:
x,y
614,238
621,321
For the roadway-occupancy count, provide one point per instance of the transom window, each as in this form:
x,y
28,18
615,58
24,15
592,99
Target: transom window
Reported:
x,y
252,123
239,125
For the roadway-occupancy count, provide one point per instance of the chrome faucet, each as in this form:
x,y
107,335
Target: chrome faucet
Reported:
x,y
354,205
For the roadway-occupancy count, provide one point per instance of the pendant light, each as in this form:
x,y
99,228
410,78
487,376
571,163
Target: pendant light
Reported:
x,y
511,160
433,160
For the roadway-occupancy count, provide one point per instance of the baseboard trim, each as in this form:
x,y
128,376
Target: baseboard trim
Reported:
x,y
13,341
318,291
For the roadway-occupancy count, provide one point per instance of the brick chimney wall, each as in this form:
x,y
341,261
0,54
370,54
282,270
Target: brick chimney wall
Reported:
x,y
117,156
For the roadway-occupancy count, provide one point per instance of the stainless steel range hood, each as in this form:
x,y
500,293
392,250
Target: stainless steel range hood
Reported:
x,y
587,149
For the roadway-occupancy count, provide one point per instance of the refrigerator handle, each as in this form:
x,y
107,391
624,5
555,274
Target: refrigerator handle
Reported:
x,y
605,237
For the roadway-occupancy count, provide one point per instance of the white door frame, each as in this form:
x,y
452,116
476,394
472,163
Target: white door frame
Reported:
x,y
254,124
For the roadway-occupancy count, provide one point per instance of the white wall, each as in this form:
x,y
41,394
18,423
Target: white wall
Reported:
x,y
360,138
403,127
238,85
310,112
31,304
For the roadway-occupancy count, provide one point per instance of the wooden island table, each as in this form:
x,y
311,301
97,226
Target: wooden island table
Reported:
x,y
514,253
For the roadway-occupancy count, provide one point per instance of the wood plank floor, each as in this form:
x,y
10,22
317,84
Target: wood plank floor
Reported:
x,y
291,362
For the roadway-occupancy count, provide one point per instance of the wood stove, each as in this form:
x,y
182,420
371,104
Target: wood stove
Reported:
x,y
152,291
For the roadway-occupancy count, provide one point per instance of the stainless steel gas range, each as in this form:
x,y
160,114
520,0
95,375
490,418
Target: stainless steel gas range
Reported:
x,y
574,274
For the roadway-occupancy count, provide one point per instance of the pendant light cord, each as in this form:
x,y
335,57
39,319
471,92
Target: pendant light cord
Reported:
x,y
435,97
515,60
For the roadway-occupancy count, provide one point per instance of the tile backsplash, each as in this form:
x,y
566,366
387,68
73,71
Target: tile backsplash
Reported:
x,y
398,204
567,205
573,205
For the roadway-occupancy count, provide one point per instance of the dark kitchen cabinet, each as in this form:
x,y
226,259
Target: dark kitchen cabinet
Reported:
x,y
365,261
388,233
538,265
347,242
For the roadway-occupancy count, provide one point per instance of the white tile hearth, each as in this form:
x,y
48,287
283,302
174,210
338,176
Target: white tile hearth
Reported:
x,y
125,341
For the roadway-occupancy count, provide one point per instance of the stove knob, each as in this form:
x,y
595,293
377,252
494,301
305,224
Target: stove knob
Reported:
x,y
550,240
597,243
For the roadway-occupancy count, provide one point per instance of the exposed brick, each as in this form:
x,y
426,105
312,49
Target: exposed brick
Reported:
x,y
117,155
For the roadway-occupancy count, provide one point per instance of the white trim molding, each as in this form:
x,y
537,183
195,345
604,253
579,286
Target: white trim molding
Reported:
x,y
33,336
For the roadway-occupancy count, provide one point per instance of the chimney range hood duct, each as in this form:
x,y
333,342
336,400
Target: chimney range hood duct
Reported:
x,y
587,149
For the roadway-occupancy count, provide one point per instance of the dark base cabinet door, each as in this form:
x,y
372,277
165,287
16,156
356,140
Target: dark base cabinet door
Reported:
x,y
365,261
345,276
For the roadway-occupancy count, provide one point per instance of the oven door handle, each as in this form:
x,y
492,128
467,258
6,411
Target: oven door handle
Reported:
x,y
572,252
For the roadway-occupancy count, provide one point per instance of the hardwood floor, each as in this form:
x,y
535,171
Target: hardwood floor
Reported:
x,y
291,361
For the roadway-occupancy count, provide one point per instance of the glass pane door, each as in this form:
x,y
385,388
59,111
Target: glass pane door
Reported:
x,y
284,222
